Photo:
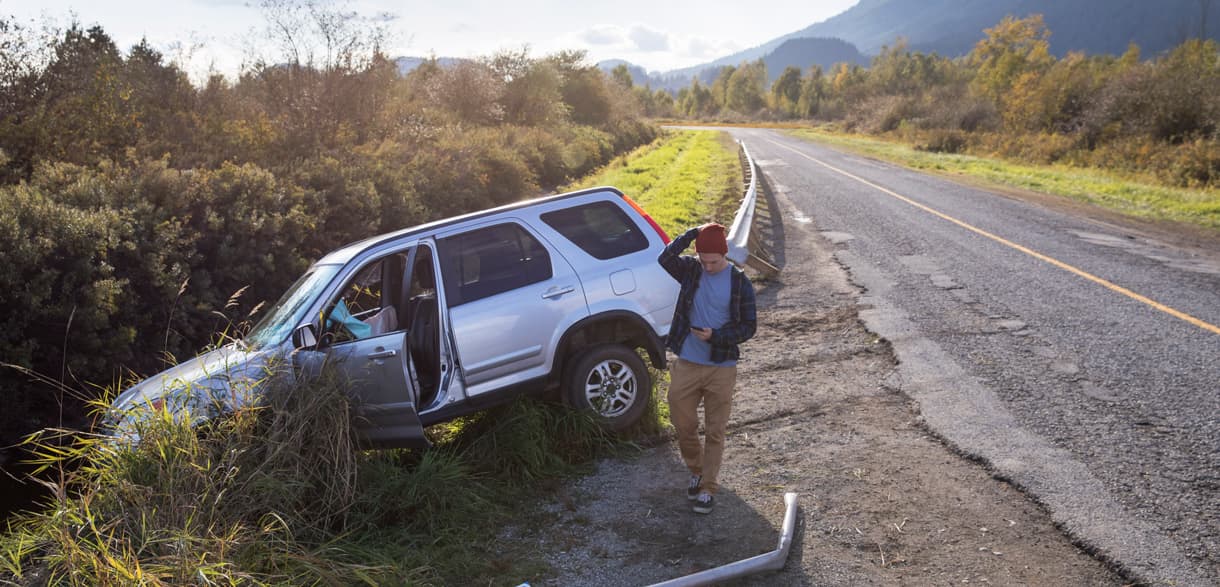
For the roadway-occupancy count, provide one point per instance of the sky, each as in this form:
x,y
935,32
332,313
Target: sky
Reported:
x,y
658,35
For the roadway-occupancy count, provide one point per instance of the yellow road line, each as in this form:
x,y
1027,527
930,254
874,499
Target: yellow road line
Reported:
x,y
1035,254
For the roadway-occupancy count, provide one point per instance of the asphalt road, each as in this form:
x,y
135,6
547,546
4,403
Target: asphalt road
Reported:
x,y
1078,358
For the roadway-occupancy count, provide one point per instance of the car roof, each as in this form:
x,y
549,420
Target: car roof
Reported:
x,y
347,252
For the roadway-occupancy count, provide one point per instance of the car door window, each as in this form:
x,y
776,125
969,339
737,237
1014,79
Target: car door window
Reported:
x,y
368,304
489,261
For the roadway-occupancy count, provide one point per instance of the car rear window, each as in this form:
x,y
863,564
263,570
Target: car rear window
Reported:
x,y
601,229
491,260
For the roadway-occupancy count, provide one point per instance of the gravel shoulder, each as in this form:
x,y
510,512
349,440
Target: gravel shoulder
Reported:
x,y
882,501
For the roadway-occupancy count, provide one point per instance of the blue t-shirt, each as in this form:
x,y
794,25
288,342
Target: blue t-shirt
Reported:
x,y
709,310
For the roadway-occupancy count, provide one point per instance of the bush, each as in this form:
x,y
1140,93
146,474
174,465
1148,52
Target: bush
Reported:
x,y
943,141
1194,164
254,498
1041,148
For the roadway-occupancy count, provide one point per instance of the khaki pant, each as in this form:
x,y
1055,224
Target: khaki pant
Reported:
x,y
690,383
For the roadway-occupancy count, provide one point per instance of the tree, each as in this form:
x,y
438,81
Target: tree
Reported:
x,y
897,71
532,93
622,76
697,100
584,88
1011,49
813,92
470,90
720,86
24,54
746,88
663,104
85,112
786,91
1057,100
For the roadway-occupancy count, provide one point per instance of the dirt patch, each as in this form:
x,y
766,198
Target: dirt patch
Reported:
x,y
881,501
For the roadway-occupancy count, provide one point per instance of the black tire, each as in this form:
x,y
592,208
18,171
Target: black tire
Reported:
x,y
612,382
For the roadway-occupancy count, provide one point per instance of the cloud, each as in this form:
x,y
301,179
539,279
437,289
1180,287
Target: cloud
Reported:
x,y
635,38
646,39
641,44
700,48
601,35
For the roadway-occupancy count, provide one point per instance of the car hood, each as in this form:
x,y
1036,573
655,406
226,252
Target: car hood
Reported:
x,y
217,379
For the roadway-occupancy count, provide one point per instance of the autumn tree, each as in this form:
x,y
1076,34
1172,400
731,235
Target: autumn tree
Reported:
x,y
898,71
1012,49
696,100
786,91
622,76
720,86
813,92
532,93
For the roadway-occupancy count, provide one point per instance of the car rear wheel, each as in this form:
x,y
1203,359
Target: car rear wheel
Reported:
x,y
611,381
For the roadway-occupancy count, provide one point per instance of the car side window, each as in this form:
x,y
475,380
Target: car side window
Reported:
x,y
489,261
600,229
368,304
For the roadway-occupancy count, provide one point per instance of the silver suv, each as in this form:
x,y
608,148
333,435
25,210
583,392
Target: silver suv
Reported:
x,y
444,319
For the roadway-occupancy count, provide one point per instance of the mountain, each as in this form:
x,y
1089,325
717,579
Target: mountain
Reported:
x,y
952,27
408,64
639,76
799,53
803,53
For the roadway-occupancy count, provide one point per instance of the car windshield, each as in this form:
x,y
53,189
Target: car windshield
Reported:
x,y
289,312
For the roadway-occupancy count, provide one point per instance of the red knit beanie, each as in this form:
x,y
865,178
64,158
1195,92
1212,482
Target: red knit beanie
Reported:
x,y
711,240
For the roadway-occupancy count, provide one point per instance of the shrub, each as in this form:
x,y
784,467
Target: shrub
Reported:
x,y
1195,164
251,498
943,141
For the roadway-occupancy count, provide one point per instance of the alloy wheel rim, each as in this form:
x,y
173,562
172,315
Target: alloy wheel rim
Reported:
x,y
611,388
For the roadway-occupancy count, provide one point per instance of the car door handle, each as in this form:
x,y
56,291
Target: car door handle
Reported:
x,y
555,292
382,354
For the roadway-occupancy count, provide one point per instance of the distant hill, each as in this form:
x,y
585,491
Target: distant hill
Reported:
x,y
799,53
639,76
952,27
804,53
408,64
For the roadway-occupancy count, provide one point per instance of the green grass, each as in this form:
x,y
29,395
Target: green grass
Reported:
x,y
684,179
280,496
1135,197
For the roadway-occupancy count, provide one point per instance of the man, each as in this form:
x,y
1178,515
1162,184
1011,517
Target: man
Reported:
x,y
715,313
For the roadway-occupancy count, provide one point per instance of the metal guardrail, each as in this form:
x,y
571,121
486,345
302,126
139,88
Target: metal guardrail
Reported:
x,y
744,249
770,561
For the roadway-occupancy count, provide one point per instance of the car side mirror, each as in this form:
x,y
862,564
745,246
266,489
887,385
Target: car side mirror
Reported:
x,y
304,337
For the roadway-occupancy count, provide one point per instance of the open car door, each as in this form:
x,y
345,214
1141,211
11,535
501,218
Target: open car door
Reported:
x,y
365,339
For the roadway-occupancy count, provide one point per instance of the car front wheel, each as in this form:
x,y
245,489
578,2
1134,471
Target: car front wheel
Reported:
x,y
612,381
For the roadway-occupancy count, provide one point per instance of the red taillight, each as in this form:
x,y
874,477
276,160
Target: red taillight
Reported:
x,y
651,222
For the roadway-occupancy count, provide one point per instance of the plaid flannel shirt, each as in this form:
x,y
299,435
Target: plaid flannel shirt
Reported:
x,y
743,318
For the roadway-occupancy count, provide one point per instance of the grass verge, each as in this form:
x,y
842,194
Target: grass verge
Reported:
x,y
1135,197
280,495
683,179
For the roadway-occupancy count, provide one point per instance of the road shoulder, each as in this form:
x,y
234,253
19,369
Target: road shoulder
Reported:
x,y
883,501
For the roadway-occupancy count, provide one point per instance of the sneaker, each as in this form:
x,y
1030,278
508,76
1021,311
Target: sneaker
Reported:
x,y
704,502
692,487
